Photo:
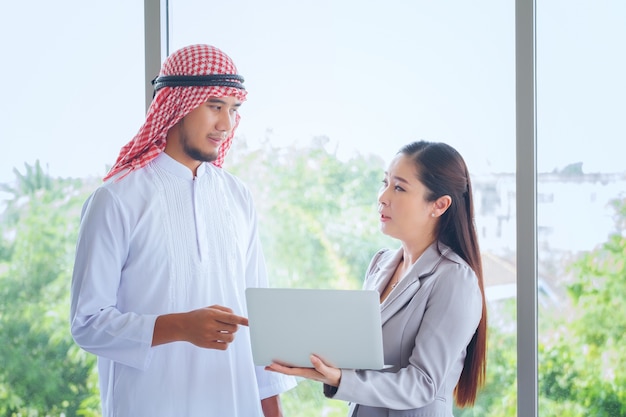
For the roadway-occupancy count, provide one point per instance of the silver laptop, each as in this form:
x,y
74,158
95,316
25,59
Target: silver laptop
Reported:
x,y
342,327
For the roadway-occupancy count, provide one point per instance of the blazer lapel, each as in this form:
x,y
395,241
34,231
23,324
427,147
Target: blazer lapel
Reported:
x,y
384,270
410,284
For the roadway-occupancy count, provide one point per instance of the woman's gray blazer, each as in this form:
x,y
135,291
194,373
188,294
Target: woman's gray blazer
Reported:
x,y
428,320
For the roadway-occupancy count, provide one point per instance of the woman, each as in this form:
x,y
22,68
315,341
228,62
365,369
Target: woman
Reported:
x,y
431,293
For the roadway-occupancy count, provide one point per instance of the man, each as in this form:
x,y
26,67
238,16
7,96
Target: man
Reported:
x,y
166,247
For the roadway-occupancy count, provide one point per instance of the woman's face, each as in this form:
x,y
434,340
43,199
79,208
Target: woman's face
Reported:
x,y
405,214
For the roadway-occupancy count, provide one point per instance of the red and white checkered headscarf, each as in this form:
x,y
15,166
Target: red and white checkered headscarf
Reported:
x,y
170,104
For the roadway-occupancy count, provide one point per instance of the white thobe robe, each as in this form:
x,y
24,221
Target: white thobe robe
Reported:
x,y
159,241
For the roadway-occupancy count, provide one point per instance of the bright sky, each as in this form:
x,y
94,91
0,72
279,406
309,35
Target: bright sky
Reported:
x,y
371,76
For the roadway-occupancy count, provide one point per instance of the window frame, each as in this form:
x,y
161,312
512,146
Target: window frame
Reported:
x,y
526,207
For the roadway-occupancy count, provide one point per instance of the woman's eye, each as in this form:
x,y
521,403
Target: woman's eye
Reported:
x,y
398,188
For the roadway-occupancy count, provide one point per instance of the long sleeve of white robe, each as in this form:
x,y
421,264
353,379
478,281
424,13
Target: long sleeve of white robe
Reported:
x,y
159,241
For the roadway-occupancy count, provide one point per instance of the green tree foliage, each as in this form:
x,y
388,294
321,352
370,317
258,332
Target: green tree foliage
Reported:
x,y
42,372
26,185
583,366
317,213
498,398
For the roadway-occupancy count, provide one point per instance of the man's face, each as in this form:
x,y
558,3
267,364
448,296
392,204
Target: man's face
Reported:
x,y
202,131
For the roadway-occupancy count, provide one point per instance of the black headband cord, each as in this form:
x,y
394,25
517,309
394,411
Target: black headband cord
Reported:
x,y
212,80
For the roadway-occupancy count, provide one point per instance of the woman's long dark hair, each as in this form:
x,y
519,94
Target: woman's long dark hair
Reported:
x,y
443,171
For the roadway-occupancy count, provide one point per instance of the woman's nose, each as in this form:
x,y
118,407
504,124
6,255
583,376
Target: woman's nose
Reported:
x,y
382,198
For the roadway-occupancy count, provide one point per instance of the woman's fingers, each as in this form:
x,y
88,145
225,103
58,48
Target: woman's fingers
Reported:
x,y
321,371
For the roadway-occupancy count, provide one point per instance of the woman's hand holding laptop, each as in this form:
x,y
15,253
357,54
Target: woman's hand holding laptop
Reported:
x,y
320,372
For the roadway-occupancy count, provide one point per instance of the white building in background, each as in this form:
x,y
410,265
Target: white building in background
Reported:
x,y
574,214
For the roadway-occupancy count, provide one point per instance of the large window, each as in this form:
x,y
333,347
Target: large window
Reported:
x,y
581,173
72,95
335,89
354,81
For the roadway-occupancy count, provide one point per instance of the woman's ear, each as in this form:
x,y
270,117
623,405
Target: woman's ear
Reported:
x,y
442,204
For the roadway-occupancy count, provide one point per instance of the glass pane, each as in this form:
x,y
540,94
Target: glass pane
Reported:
x,y
335,89
581,206
73,93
